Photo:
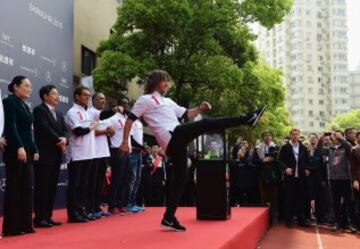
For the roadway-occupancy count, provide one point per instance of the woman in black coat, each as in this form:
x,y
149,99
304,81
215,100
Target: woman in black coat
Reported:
x,y
18,156
244,180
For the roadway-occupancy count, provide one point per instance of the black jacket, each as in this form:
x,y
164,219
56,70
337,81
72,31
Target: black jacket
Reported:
x,y
286,159
243,174
18,126
47,132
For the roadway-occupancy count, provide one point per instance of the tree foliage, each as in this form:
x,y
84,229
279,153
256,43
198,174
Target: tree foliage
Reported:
x,y
346,120
205,45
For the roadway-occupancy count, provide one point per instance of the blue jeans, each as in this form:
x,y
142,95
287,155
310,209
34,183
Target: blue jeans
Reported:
x,y
134,176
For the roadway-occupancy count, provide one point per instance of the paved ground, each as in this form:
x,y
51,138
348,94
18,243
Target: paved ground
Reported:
x,y
316,237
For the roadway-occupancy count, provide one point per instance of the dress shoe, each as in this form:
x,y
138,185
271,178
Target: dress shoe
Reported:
x,y
123,211
17,233
53,222
352,229
113,211
30,230
97,215
42,223
305,223
335,227
288,224
89,217
76,219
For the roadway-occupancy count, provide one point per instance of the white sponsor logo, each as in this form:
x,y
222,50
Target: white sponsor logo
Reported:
x,y
51,61
34,71
46,16
6,40
63,99
6,60
28,50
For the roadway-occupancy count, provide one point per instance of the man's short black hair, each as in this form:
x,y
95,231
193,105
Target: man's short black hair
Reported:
x,y
313,134
79,90
349,129
122,99
266,133
95,95
358,134
342,133
45,90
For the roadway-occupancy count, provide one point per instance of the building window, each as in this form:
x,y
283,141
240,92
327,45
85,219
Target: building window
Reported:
x,y
310,101
311,123
311,113
322,124
88,61
321,102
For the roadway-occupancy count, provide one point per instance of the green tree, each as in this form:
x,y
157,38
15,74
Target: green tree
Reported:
x,y
346,120
205,45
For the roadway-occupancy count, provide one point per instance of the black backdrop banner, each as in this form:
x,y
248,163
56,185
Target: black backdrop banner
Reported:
x,y
36,40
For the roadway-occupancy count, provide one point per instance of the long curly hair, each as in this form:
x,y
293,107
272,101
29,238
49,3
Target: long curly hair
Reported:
x,y
154,78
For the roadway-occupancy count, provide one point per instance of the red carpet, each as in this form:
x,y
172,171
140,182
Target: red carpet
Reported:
x,y
142,231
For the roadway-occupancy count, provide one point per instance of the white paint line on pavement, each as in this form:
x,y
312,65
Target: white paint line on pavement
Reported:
x,y
318,238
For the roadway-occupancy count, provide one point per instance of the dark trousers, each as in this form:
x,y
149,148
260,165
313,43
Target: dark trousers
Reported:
x,y
158,196
77,191
18,194
357,207
188,197
177,151
144,194
96,184
158,187
318,192
269,196
341,190
246,196
294,190
46,179
118,181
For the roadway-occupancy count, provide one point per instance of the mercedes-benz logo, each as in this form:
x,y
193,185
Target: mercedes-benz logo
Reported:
x,y
3,184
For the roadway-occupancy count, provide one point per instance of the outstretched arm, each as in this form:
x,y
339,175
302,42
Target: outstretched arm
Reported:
x,y
192,113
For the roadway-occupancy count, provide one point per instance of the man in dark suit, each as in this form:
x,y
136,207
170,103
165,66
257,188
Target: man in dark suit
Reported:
x,y
293,158
50,137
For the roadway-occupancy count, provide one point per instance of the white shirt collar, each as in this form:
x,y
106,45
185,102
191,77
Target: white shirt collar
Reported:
x,y
52,108
79,106
157,94
294,145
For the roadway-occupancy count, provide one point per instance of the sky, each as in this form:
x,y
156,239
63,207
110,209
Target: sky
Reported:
x,y
353,8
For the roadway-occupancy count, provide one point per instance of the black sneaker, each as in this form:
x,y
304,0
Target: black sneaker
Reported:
x,y
352,229
172,224
335,227
255,116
